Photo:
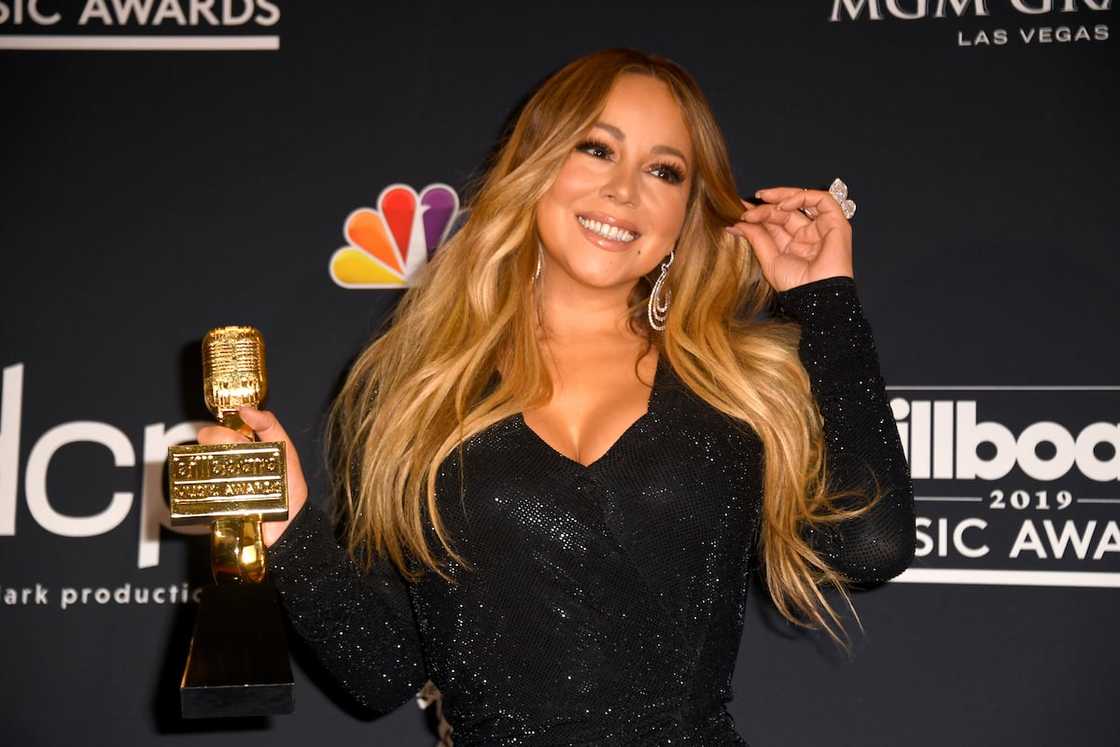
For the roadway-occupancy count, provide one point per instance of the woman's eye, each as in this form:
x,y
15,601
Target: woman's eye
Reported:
x,y
590,146
673,175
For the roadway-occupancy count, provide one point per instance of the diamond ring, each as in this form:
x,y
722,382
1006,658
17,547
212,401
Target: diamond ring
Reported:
x,y
839,191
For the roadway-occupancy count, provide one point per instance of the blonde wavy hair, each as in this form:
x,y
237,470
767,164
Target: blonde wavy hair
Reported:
x,y
418,390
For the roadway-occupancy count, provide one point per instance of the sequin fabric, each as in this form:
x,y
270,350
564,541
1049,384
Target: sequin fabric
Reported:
x,y
608,600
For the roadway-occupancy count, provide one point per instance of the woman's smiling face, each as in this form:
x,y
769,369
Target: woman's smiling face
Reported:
x,y
632,171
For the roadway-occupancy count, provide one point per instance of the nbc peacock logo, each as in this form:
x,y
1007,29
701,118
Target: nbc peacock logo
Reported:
x,y
387,246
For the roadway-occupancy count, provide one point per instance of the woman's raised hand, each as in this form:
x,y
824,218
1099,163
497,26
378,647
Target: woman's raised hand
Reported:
x,y
267,428
792,248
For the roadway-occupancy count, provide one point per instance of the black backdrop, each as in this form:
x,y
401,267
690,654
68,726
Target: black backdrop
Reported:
x,y
149,195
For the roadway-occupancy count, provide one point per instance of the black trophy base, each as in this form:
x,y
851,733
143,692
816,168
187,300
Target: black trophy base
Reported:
x,y
238,663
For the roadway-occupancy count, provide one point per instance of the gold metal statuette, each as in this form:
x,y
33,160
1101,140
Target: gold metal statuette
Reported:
x,y
238,663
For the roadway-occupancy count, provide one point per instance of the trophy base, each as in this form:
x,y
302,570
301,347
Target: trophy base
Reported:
x,y
238,663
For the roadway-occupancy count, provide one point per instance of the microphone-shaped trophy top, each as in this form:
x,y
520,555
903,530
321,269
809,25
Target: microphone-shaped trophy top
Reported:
x,y
233,370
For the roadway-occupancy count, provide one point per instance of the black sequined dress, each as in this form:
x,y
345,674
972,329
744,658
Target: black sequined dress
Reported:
x,y
607,606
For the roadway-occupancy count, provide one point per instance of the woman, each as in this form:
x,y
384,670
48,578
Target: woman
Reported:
x,y
552,463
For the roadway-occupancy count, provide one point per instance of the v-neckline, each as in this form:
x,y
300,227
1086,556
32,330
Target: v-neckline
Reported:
x,y
658,380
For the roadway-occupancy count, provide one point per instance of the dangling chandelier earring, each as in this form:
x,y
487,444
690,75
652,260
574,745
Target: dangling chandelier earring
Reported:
x,y
540,251
658,310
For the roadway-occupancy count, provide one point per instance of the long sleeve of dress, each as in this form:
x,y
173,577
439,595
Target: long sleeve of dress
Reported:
x,y
862,441
360,627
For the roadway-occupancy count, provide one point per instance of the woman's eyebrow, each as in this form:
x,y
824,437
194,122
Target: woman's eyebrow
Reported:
x,y
620,135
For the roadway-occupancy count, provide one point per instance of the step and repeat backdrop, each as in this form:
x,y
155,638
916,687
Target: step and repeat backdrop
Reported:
x,y
169,166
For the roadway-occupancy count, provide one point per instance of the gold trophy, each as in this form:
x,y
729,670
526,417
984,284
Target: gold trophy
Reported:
x,y
238,661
